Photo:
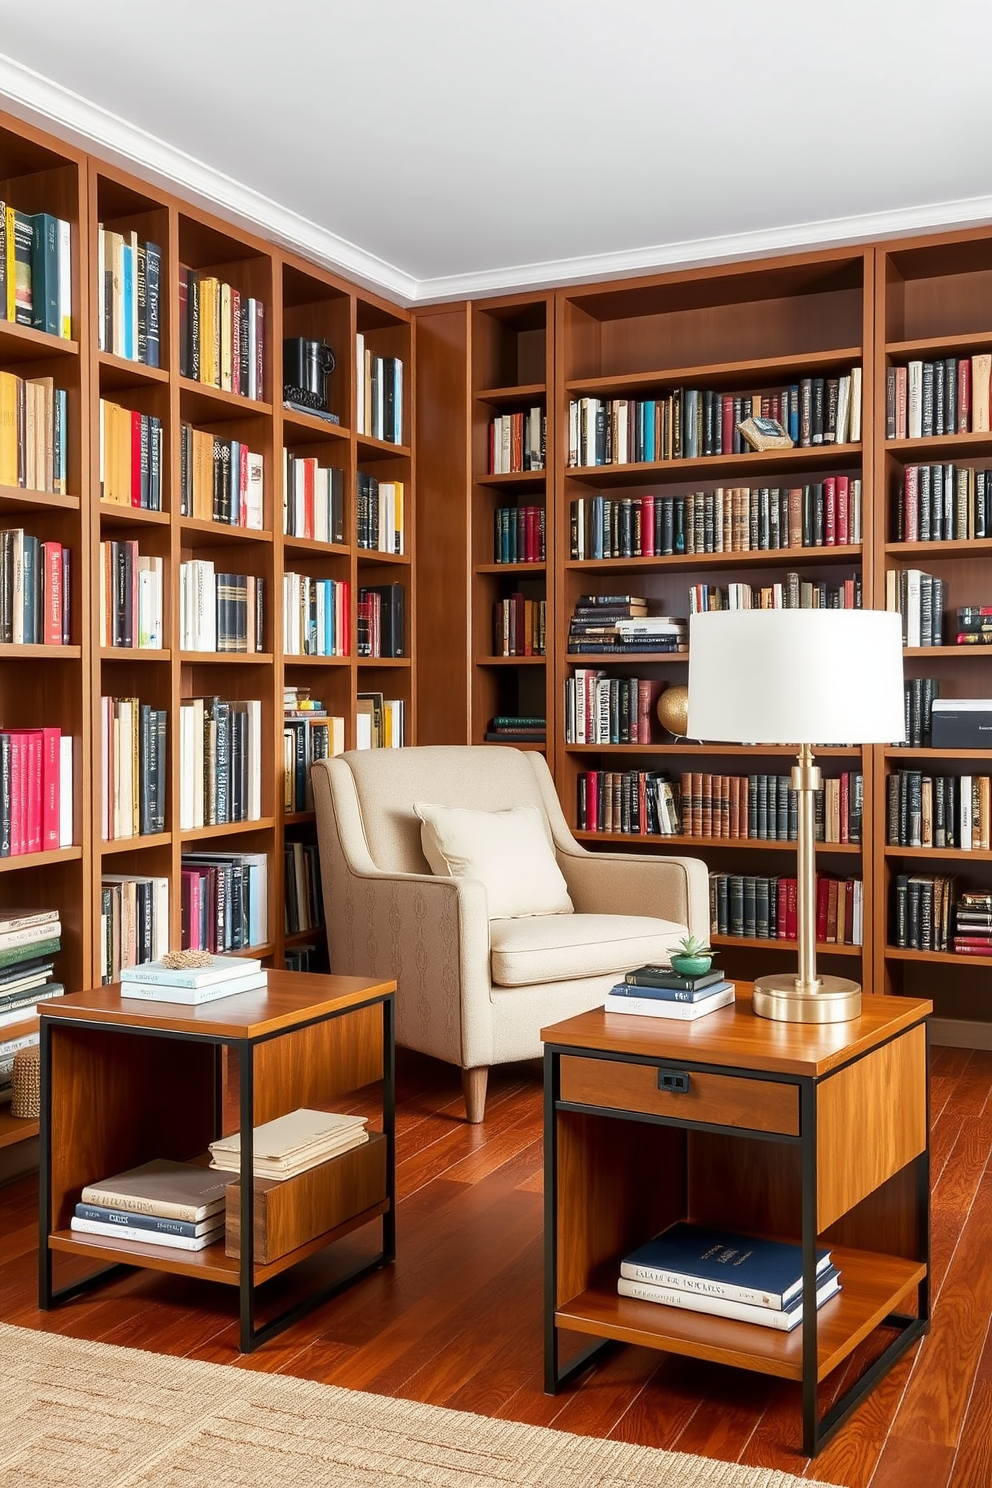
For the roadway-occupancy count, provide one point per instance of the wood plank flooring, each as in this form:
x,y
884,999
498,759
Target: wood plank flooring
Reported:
x,y
458,1320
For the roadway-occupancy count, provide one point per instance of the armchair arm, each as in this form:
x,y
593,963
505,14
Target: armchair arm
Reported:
x,y
624,883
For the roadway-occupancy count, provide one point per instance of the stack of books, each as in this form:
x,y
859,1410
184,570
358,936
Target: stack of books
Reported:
x,y
726,1275
218,976
175,1204
292,1143
659,992
29,941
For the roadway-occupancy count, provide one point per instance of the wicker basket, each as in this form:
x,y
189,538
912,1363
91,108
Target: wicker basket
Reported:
x,y
26,1101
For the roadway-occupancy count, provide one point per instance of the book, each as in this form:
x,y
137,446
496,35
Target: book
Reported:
x,y
653,1007
293,1143
767,1317
222,968
146,1237
252,981
765,433
172,1190
155,1223
721,1263
670,994
663,976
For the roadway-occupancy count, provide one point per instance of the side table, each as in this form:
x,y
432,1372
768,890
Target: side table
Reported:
x,y
814,1134
124,1081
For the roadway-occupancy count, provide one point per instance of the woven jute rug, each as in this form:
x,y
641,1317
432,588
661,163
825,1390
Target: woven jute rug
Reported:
x,y
121,1418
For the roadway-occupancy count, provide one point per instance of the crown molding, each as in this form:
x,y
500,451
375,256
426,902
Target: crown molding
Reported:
x,y
62,112
39,101
703,252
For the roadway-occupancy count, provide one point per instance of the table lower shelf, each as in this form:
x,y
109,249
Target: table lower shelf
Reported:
x,y
210,1264
872,1287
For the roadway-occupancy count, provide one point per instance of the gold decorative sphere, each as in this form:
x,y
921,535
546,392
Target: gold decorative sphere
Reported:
x,y
673,710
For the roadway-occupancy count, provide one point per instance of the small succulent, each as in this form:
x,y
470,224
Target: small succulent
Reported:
x,y
691,945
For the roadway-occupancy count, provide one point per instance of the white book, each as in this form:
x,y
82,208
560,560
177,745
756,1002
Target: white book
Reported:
x,y
252,981
221,969
254,707
855,434
573,435
655,1007
359,384
964,796
843,409
913,632
29,934
160,917
289,1137
745,1312
185,767
65,280
28,1009
914,401
101,302
15,1045
146,1237
255,502
65,791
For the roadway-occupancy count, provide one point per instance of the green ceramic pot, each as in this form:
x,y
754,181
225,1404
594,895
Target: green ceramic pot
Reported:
x,y
691,965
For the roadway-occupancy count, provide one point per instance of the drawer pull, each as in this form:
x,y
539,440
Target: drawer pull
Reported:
x,y
675,1083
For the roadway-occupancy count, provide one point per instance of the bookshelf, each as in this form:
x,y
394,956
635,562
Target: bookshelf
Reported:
x,y
934,303
737,330
169,402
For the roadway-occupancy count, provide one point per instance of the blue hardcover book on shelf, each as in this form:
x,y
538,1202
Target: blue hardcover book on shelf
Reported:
x,y
723,1264
671,994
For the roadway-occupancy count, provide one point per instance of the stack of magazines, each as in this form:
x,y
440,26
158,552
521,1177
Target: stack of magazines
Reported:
x,y
659,992
218,976
726,1275
293,1143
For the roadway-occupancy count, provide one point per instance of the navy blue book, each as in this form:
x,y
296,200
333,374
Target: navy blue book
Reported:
x,y
664,976
723,1264
147,1221
670,994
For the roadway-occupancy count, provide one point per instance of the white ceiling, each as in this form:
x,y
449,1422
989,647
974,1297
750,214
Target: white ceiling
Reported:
x,y
445,147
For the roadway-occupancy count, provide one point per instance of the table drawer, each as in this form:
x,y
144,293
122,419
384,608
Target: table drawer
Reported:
x,y
722,1100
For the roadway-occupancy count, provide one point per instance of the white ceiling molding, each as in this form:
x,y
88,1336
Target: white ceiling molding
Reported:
x,y
62,112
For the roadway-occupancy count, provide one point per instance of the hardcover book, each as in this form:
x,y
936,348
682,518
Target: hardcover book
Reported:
x,y
653,1007
173,1190
765,434
766,1317
721,1263
221,968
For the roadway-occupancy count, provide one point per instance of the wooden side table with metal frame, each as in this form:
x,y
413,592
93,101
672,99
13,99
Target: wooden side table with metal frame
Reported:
x,y
817,1134
124,1081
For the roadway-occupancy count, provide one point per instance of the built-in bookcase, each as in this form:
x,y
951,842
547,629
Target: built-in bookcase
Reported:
x,y
512,535
730,331
163,394
935,303
45,685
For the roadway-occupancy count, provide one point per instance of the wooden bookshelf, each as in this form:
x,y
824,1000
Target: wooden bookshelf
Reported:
x,y
63,685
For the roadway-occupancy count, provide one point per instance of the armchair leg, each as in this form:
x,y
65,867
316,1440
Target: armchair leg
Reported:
x,y
474,1089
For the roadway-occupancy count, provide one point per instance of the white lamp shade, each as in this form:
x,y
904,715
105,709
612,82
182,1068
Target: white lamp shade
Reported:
x,y
796,677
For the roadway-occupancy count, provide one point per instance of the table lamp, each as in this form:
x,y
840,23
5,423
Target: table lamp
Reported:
x,y
798,677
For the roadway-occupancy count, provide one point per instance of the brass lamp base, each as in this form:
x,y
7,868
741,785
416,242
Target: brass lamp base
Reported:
x,y
784,998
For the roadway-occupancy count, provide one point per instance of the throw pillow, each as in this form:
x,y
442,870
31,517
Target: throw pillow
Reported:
x,y
508,851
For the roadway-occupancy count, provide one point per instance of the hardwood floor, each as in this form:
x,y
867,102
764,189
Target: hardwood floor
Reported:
x,y
457,1321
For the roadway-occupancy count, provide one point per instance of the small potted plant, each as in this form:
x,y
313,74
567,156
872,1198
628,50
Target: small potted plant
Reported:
x,y
693,958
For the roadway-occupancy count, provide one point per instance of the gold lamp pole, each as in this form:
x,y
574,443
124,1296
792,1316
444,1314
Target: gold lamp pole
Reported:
x,y
805,997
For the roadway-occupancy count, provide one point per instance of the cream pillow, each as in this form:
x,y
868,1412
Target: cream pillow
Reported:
x,y
508,851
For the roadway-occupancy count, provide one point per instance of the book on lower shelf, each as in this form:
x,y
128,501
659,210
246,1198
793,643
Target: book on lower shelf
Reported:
x,y
703,1269
645,1003
292,1143
163,1189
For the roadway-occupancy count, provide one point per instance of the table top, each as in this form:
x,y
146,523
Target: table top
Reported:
x,y
289,999
735,1037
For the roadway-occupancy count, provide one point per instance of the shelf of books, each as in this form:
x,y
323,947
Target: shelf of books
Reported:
x,y
46,863
663,507
512,542
932,423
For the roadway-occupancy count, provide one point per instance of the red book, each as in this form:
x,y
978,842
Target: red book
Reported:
x,y
648,692
309,474
792,909
51,578
728,426
50,749
135,458
532,535
688,803
243,486
822,901
843,501
782,915
832,887
830,512
964,395
592,801
30,787
647,526
17,805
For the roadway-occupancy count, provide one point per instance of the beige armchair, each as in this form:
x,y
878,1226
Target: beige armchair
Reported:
x,y
471,990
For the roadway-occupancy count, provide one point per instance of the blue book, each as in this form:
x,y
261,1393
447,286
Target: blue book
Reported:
x,y
723,1264
647,451
670,994
154,1222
